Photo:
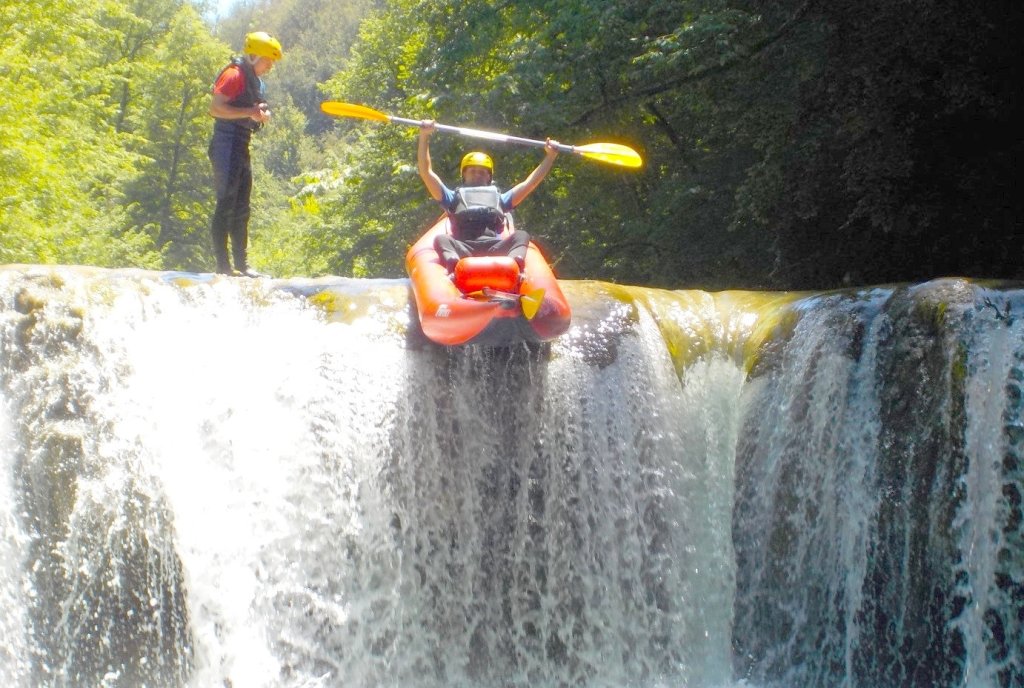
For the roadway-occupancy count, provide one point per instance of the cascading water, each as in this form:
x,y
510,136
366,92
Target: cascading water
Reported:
x,y
878,521
277,483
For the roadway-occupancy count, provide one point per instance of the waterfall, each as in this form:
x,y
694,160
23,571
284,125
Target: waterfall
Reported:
x,y
878,519
224,482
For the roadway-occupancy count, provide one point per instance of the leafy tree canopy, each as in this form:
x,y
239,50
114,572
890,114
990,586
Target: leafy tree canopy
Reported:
x,y
793,144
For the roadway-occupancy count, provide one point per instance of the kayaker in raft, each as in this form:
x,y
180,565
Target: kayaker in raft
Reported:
x,y
476,207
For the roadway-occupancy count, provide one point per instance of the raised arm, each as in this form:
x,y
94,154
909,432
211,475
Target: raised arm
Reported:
x,y
526,187
427,174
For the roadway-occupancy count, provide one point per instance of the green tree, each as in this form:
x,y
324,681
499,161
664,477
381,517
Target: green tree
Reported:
x,y
170,197
786,144
63,154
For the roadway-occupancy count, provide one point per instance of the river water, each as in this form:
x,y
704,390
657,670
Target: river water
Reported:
x,y
224,482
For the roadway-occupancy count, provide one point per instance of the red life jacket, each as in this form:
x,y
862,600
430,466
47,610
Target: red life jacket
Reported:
x,y
253,94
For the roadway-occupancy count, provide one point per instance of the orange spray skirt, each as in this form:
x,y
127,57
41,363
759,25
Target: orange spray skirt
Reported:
x,y
494,307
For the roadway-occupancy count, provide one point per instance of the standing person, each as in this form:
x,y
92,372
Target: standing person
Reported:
x,y
239,108
476,207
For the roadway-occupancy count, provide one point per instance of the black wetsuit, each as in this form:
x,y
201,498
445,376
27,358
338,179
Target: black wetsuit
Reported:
x,y
232,175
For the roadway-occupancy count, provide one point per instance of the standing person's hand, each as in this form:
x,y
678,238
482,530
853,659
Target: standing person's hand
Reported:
x,y
262,113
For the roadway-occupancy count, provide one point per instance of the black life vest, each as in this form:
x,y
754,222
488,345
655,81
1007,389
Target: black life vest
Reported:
x,y
477,212
253,94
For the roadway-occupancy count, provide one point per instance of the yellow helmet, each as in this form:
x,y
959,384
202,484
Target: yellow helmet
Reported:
x,y
262,44
477,159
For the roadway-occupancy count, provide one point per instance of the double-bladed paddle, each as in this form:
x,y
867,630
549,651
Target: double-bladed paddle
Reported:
x,y
612,153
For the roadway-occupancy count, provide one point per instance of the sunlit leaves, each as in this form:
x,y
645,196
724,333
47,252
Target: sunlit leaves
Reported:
x,y
774,135
60,137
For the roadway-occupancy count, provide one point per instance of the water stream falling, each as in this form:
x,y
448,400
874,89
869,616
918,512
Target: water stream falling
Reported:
x,y
222,482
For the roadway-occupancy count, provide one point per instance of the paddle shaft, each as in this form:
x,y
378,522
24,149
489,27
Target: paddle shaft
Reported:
x,y
480,134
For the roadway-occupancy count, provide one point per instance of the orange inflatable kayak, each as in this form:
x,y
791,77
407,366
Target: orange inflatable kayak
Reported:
x,y
488,302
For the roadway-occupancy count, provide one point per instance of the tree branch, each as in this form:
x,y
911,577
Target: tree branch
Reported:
x,y
699,73
670,133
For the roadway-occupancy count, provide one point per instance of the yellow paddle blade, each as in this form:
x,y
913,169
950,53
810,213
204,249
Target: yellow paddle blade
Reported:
x,y
613,153
337,109
531,302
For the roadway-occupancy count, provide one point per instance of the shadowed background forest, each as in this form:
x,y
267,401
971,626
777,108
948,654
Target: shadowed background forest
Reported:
x,y
787,145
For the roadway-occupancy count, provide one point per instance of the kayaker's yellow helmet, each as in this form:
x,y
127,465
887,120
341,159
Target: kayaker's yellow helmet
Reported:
x,y
262,44
477,159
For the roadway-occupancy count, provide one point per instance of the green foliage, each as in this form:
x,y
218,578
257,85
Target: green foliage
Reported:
x,y
788,144
62,148
317,36
169,197
564,70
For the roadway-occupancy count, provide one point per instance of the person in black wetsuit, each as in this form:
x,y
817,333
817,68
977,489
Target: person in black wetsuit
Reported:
x,y
476,207
239,108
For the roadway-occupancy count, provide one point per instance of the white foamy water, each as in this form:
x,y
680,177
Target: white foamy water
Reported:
x,y
224,484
